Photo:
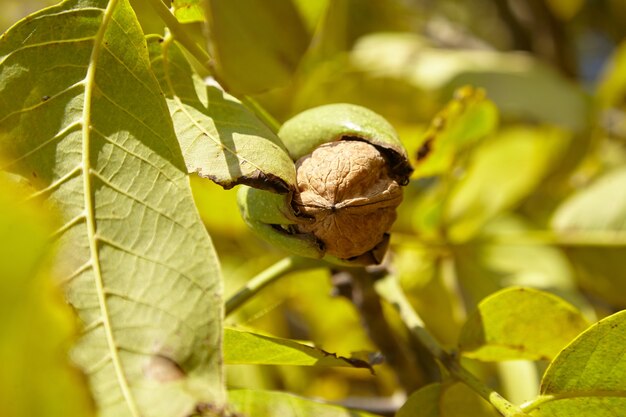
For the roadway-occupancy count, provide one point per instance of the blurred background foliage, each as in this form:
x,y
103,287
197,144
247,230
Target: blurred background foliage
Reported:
x,y
527,185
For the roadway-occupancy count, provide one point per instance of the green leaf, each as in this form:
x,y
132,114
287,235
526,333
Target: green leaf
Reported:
x,y
256,44
187,11
36,325
520,323
241,347
512,79
220,138
500,174
499,257
446,400
587,210
613,81
468,117
599,228
138,265
589,377
271,404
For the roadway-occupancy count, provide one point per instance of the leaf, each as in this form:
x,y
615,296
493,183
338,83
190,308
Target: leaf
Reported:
x,y
520,86
468,117
588,378
241,347
499,257
565,9
599,228
137,263
500,174
256,44
220,138
424,401
36,325
446,400
271,404
520,323
612,83
187,11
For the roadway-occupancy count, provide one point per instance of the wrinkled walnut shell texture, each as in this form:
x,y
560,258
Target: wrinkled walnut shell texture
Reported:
x,y
346,187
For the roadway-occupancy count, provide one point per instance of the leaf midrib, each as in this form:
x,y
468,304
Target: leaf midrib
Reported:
x,y
90,208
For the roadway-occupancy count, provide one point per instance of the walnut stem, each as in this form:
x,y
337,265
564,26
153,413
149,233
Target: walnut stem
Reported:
x,y
390,290
266,277
357,284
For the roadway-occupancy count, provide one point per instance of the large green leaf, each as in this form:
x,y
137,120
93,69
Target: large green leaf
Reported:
x,y
83,119
272,404
518,84
241,347
500,174
36,325
597,216
446,400
220,138
589,377
499,257
520,323
256,44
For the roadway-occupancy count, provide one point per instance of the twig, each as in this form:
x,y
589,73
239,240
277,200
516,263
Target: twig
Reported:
x,y
389,289
268,276
357,285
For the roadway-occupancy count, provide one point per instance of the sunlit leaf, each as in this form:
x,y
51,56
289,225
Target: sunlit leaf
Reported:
x,y
499,257
597,215
500,174
445,400
311,11
36,326
271,404
518,84
589,377
242,347
220,138
520,323
137,264
468,117
565,9
256,44
187,11
613,81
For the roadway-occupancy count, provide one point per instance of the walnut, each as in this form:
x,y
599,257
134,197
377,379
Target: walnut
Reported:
x,y
347,188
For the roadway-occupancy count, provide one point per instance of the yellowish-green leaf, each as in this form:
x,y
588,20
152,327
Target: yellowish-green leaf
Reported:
x,y
519,85
565,9
597,215
468,117
589,377
256,44
520,323
136,262
613,81
500,174
37,326
241,347
187,11
446,400
272,404
499,257
220,138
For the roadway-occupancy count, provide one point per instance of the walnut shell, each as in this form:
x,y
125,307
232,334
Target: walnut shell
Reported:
x,y
347,188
